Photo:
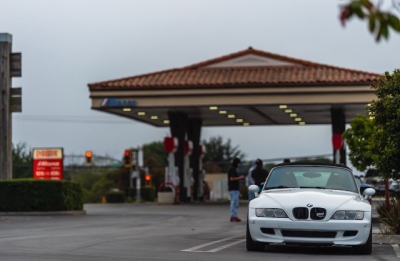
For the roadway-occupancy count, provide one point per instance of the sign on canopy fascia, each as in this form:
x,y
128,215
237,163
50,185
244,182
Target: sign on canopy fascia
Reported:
x,y
48,163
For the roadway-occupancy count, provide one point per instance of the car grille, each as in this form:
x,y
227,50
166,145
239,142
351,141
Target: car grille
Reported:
x,y
300,213
317,213
318,234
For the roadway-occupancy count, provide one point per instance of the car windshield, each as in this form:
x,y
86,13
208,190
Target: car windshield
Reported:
x,y
317,177
358,181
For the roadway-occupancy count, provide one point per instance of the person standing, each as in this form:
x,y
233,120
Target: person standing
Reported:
x,y
233,187
250,181
259,174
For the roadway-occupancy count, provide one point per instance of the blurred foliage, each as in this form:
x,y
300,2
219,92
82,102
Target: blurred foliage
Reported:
x,y
219,154
146,193
358,138
244,193
115,197
390,215
155,150
40,195
22,160
385,142
379,21
108,179
314,160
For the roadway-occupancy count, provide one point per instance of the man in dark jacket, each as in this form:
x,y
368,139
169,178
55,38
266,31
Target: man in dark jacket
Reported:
x,y
259,174
233,187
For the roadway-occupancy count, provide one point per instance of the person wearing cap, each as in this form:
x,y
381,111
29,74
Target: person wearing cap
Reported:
x,y
259,174
233,187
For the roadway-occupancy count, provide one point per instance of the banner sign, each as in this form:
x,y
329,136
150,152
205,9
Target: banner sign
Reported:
x,y
48,163
116,102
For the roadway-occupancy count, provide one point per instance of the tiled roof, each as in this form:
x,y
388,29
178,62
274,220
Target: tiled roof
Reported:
x,y
200,75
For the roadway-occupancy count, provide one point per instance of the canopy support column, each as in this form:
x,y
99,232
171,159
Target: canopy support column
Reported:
x,y
338,120
194,133
178,126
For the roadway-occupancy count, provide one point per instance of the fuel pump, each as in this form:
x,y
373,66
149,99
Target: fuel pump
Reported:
x,y
171,171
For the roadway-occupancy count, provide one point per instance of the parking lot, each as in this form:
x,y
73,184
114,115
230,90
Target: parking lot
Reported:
x,y
151,232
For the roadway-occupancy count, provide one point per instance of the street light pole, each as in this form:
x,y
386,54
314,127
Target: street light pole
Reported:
x,y
5,113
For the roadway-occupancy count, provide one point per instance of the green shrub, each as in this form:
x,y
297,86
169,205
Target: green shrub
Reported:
x,y
40,195
390,215
115,197
146,193
244,193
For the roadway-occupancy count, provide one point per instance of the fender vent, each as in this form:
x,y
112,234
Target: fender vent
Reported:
x,y
267,231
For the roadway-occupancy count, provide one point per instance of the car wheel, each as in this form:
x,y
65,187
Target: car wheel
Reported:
x,y
365,249
252,245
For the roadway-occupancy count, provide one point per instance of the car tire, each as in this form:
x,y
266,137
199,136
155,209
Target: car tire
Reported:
x,y
252,245
365,249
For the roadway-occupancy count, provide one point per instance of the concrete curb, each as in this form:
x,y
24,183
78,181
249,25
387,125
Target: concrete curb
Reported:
x,y
45,213
385,239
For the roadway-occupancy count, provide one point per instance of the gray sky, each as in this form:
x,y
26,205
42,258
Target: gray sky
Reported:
x,y
67,44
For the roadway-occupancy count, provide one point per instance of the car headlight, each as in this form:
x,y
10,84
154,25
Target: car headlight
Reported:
x,y
271,212
348,215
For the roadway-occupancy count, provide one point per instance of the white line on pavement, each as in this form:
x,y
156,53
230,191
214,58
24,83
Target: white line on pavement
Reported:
x,y
396,249
226,246
207,244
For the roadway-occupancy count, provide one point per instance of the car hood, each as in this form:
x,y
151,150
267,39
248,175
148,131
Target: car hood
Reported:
x,y
331,200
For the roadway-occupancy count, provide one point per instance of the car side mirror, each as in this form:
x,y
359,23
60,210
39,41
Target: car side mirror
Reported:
x,y
369,192
364,187
255,189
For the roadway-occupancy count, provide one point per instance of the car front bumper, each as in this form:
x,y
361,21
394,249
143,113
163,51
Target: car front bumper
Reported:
x,y
285,230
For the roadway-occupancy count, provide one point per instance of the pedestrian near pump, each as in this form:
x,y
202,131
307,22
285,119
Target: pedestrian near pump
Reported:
x,y
233,187
259,174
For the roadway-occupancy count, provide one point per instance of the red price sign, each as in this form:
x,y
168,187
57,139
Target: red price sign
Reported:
x,y
48,163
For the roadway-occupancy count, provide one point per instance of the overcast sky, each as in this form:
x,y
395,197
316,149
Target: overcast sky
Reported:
x,y
67,44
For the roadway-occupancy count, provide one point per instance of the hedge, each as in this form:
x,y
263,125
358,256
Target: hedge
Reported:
x,y
146,193
115,197
40,195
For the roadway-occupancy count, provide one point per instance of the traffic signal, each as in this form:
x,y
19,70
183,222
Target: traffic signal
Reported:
x,y
88,156
147,180
128,158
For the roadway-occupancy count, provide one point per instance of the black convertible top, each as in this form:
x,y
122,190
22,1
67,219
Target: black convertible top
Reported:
x,y
313,164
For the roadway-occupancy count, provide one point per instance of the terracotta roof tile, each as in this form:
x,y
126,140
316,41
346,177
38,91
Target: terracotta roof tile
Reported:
x,y
200,76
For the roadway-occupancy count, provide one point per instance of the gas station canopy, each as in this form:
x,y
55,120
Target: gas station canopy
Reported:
x,y
250,87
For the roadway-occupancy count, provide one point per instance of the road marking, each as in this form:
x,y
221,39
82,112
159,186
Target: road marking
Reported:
x,y
194,249
226,246
396,249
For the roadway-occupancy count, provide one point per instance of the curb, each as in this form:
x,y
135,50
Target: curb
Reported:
x,y
385,239
45,213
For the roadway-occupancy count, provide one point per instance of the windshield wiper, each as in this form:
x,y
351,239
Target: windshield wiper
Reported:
x,y
315,187
278,187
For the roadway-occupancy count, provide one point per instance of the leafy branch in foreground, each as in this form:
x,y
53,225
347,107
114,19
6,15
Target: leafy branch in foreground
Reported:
x,y
379,21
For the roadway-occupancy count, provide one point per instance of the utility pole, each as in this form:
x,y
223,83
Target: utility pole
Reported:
x,y
10,101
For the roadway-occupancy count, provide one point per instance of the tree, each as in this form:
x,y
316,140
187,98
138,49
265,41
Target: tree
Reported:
x,y
221,153
358,138
379,21
156,151
385,142
22,160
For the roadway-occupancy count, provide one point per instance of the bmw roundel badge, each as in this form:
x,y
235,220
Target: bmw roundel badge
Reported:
x,y
309,205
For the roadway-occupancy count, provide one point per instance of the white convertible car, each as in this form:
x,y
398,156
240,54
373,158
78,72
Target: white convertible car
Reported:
x,y
310,204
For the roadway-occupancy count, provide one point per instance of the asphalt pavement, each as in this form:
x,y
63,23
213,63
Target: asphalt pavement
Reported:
x,y
151,232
